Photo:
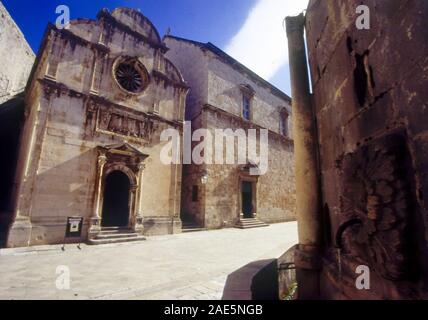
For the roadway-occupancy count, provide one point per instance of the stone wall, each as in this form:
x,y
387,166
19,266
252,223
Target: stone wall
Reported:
x,y
370,101
224,92
16,60
215,102
194,209
191,60
275,195
215,81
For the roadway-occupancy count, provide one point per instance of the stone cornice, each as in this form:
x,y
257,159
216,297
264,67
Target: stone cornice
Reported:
x,y
64,33
159,75
53,87
245,123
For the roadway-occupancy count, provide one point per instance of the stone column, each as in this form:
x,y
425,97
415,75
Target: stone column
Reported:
x,y
95,224
307,258
139,227
133,198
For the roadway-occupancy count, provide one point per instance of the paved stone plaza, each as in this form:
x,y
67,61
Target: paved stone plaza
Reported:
x,y
183,266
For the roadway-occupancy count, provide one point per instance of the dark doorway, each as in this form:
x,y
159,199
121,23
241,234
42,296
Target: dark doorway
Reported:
x,y
247,199
116,200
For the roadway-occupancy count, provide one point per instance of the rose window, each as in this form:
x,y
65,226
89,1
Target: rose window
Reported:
x,y
131,75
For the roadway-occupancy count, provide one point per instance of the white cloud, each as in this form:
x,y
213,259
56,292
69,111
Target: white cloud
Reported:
x,y
261,43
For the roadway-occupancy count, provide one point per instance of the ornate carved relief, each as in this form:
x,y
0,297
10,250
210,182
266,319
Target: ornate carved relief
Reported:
x,y
376,202
115,122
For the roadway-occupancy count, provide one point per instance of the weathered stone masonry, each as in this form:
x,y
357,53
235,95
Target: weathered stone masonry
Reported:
x,y
370,107
16,62
99,96
16,58
82,124
215,101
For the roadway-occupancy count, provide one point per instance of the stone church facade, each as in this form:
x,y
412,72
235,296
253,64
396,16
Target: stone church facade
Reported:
x,y
99,96
361,150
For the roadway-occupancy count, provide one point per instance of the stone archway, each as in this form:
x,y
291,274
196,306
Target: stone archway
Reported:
x,y
127,162
116,204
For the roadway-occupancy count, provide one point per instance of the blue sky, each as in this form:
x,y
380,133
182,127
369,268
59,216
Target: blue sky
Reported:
x,y
249,30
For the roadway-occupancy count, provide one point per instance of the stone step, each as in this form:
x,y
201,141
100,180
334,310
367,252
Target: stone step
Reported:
x,y
189,226
115,240
250,223
194,225
116,231
114,228
251,227
103,235
185,230
110,235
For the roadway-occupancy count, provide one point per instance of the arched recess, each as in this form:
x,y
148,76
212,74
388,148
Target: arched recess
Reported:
x,y
116,200
123,168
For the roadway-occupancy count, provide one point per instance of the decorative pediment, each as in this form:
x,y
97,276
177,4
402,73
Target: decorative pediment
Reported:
x,y
124,148
247,90
248,168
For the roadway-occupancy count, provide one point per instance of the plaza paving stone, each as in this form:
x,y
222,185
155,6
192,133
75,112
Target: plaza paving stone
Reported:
x,y
178,267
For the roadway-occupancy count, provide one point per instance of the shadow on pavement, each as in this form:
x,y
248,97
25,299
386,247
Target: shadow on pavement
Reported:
x,y
256,281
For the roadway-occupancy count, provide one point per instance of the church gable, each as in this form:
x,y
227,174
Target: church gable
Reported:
x,y
119,59
136,21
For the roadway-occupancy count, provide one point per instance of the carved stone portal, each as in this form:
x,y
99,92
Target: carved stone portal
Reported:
x,y
130,161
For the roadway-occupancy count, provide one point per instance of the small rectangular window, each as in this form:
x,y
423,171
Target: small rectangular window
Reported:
x,y
246,107
195,194
284,124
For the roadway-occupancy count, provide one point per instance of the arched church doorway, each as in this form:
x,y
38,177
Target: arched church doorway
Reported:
x,y
116,200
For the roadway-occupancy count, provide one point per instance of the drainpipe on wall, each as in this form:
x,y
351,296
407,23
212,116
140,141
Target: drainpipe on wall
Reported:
x,y
307,255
